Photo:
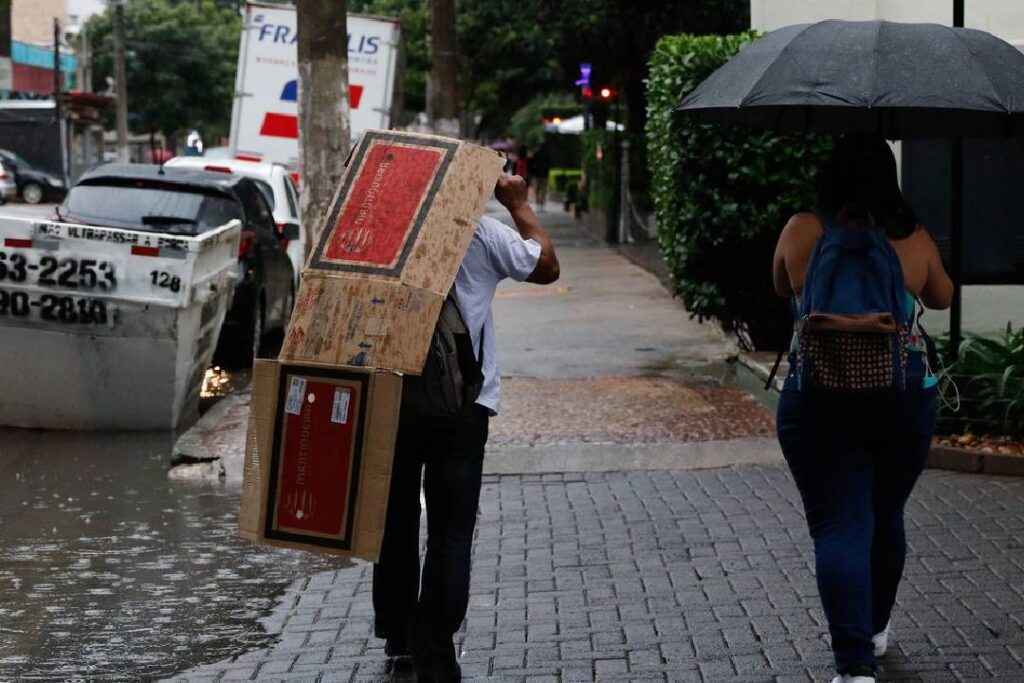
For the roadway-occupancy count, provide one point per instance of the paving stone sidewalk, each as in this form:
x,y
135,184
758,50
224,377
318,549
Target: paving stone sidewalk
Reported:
x,y
678,576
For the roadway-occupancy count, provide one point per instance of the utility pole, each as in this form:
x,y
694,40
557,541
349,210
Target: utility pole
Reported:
x,y
63,135
323,106
56,67
120,82
441,106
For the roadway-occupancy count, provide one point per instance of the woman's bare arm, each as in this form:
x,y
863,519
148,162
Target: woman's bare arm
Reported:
x,y
937,292
796,244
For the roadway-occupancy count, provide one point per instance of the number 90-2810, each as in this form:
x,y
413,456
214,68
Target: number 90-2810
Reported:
x,y
54,308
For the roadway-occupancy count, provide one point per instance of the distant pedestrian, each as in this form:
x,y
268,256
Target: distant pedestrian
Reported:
x,y
857,410
540,168
522,165
418,617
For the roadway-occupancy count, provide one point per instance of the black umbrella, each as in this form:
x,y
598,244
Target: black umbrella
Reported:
x,y
897,80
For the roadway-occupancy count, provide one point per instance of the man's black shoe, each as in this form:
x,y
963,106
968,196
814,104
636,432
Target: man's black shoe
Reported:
x,y
437,667
436,672
395,647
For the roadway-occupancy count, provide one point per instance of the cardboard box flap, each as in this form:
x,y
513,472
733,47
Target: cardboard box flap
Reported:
x,y
406,209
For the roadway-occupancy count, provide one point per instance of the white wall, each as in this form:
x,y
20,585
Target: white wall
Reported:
x,y
1004,18
77,11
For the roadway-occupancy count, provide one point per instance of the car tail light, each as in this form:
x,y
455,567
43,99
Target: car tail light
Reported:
x,y
3,176
246,244
217,169
282,240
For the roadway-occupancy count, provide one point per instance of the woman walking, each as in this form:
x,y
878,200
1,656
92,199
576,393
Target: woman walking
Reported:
x,y
857,410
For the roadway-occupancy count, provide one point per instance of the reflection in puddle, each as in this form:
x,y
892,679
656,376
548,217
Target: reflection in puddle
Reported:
x,y
108,569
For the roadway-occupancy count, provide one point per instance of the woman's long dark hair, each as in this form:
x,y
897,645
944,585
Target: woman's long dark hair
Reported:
x,y
859,182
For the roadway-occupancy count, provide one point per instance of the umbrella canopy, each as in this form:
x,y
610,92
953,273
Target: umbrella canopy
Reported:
x,y
898,80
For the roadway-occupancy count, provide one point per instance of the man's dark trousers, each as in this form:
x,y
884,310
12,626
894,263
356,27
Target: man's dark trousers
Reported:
x,y
450,462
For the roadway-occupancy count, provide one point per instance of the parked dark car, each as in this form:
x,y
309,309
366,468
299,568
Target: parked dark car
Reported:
x,y
187,202
34,186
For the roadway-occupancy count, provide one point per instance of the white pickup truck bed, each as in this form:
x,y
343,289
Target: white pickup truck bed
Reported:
x,y
103,328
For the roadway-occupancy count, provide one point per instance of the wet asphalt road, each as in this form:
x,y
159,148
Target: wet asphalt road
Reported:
x,y
109,571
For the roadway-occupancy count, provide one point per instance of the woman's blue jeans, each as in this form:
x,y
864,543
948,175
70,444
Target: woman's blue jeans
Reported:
x,y
855,461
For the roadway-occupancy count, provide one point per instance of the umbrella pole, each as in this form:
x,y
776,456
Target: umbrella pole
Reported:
x,y
956,233
956,227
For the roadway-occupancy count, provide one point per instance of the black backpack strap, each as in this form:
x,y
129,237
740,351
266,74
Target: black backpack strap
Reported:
x,y
775,370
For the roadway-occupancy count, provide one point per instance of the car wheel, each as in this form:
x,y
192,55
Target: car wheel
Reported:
x,y
256,338
32,193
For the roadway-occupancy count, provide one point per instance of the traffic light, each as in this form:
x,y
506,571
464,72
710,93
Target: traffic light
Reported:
x,y
603,97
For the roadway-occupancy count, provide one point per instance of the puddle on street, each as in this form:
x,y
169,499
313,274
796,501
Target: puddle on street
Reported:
x,y
108,570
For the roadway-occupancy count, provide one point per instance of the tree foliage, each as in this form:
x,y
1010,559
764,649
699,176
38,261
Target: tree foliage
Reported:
x,y
721,194
180,62
511,50
414,16
527,123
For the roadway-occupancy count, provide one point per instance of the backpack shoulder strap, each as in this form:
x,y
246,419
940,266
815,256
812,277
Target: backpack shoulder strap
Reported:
x,y
807,293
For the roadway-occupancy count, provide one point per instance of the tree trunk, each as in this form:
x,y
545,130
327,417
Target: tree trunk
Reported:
x,y
442,107
323,107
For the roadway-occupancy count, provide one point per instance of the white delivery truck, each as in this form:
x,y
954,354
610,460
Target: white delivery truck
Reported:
x,y
103,328
265,115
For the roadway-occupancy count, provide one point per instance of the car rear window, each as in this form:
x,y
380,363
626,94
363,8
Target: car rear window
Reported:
x,y
267,191
151,206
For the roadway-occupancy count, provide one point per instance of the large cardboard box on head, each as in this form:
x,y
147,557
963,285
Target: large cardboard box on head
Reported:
x,y
394,238
325,414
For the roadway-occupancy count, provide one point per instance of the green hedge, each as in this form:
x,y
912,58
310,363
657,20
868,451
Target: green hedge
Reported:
x,y
722,194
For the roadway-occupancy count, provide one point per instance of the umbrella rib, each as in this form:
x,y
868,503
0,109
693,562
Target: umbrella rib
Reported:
x,y
874,70
981,67
753,86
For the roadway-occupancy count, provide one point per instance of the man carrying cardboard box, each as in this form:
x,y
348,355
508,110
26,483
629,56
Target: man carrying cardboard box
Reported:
x,y
419,617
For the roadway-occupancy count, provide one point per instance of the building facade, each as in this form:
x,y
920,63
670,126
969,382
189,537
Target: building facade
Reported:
x,y
1003,18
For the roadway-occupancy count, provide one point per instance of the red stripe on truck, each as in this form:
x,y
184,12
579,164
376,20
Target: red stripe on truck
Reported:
x,y
145,251
355,96
280,126
16,243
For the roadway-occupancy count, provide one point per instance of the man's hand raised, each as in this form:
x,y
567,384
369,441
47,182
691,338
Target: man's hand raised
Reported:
x,y
511,191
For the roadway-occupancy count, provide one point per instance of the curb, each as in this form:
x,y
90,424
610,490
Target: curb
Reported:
x,y
939,458
975,462
191,443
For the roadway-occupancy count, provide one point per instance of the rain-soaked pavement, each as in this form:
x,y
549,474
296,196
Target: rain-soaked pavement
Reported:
x,y
109,571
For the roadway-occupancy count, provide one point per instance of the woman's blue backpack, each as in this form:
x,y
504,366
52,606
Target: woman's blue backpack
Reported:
x,y
852,328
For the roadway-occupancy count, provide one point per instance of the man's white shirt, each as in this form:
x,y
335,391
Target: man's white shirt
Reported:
x,y
495,253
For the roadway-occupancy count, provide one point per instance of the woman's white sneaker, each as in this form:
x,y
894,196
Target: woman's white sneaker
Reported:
x,y
881,642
